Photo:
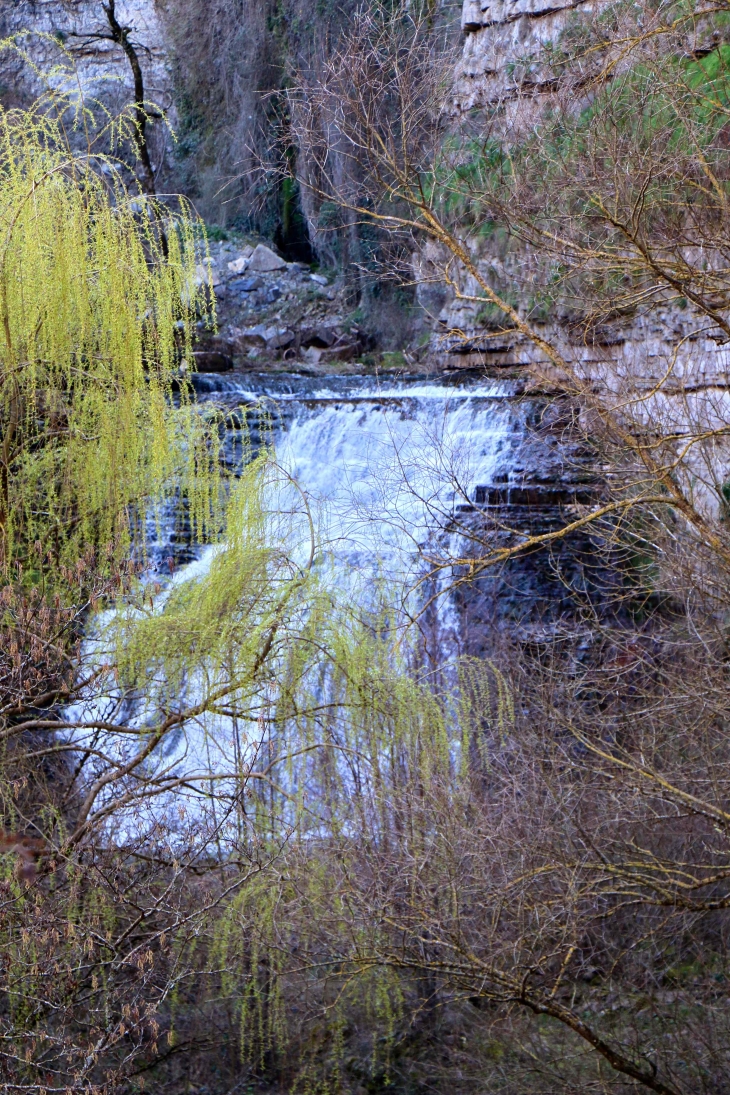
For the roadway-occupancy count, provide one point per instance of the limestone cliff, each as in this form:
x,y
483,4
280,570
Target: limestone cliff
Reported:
x,y
498,36
499,66
79,30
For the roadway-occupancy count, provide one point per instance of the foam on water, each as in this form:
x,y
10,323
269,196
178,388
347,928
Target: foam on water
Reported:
x,y
386,470
382,469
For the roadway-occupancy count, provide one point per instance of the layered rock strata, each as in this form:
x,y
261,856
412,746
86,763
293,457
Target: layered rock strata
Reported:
x,y
501,38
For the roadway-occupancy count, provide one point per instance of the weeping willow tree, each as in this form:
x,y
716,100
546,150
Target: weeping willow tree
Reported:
x,y
97,304
223,716
291,719
237,724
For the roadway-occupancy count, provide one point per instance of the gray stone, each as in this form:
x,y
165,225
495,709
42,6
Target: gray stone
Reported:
x,y
238,265
320,279
265,261
245,285
277,338
320,337
250,336
311,355
206,274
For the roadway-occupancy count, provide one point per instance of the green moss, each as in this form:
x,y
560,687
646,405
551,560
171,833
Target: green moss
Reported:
x,y
394,360
217,234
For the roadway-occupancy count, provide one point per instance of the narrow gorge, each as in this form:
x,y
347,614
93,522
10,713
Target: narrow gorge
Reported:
x,y
364,547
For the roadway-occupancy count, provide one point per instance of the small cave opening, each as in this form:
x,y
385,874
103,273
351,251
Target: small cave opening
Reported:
x,y
292,235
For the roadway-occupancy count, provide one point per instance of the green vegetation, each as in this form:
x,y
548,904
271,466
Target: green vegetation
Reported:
x,y
96,313
257,833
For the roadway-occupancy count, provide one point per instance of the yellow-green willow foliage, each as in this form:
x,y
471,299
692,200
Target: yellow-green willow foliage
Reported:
x,y
327,746
257,633
227,618
97,301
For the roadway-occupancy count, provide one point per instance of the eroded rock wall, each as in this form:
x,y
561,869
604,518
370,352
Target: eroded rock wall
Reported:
x,y
78,30
501,42
498,36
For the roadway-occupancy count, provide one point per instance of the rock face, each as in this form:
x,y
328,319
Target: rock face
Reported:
x,y
103,70
498,36
101,64
533,593
498,33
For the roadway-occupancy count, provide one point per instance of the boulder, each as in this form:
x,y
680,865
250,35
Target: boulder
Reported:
x,y
207,275
277,338
265,261
320,337
238,265
343,350
320,279
245,285
311,355
249,337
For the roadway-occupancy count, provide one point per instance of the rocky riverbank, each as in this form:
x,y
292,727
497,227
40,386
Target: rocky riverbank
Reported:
x,y
273,315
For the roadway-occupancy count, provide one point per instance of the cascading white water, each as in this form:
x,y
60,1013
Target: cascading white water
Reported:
x,y
383,467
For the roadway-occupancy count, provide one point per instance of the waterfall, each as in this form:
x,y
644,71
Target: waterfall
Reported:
x,y
383,467
386,465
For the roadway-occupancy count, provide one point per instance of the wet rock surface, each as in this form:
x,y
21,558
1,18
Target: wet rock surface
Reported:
x,y
287,345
